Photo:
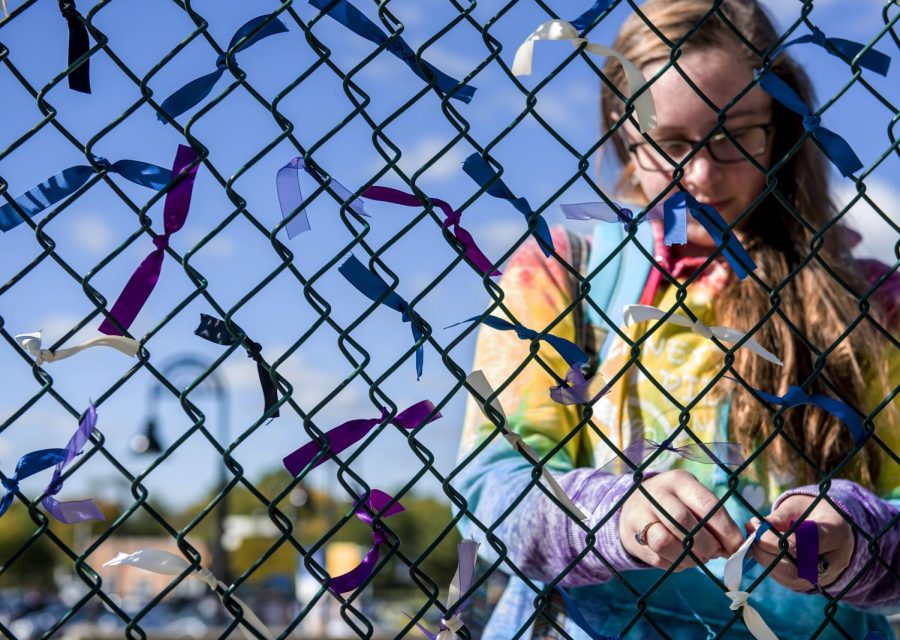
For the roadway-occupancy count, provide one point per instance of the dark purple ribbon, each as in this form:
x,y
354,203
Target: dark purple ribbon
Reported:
x,y
77,510
473,253
807,533
359,574
145,277
576,389
353,431
215,330
79,77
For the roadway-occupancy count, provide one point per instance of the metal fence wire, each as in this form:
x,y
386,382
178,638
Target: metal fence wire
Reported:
x,y
96,55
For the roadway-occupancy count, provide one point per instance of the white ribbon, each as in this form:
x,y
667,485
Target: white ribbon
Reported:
x,y
159,561
31,342
636,313
477,380
4,9
734,571
644,107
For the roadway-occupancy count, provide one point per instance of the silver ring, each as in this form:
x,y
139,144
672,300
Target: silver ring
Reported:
x,y
641,536
823,565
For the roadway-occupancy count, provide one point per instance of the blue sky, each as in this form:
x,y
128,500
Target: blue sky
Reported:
x,y
240,257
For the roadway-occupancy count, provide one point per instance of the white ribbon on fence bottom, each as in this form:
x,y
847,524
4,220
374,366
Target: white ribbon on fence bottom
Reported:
x,y
644,108
159,561
31,342
734,571
636,313
477,380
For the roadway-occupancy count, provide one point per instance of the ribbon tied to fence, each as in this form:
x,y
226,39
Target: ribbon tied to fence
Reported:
x,y
194,91
79,77
352,431
578,390
467,551
871,59
27,466
735,567
31,342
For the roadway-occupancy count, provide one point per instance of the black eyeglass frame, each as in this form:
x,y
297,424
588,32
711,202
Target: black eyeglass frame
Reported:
x,y
767,127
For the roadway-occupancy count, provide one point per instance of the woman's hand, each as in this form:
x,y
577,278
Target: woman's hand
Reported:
x,y
686,501
835,542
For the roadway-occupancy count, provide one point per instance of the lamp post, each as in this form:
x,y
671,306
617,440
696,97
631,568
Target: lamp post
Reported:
x,y
189,367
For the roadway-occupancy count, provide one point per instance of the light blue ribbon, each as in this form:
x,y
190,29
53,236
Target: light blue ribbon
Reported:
x,y
477,168
374,288
835,147
194,91
67,182
569,351
676,208
873,60
352,18
28,465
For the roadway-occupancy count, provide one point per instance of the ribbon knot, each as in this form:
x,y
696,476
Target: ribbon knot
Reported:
x,y
161,242
103,163
818,37
254,349
10,484
812,122
221,61
206,576
454,624
67,8
701,329
738,599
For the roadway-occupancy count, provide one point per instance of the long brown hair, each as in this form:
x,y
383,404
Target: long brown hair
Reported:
x,y
816,304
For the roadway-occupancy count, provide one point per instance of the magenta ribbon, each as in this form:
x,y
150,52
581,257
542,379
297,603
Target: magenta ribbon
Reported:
x,y
576,389
77,510
473,253
808,551
139,287
353,431
352,579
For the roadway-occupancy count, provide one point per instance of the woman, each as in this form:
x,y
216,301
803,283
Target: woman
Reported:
x,y
613,576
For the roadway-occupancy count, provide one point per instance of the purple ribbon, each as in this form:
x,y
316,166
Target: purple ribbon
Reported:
x,y
466,551
726,453
28,465
576,389
145,277
360,573
473,253
290,198
808,551
77,510
353,431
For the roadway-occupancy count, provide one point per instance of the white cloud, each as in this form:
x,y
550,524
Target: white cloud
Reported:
x,y
91,233
879,238
495,238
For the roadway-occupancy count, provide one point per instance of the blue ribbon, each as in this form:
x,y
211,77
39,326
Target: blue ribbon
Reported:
x,y
875,635
796,396
749,560
577,617
873,60
569,351
194,91
28,465
835,147
477,168
587,18
374,288
80,77
68,181
675,222
710,634
352,18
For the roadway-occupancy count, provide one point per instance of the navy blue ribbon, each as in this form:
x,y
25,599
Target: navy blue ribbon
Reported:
x,y
587,18
216,330
28,465
570,352
477,168
374,288
675,210
68,181
835,147
352,18
749,560
575,615
796,397
79,77
194,91
873,60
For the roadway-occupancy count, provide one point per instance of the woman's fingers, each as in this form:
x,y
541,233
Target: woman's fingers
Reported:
x,y
783,571
665,548
701,501
705,546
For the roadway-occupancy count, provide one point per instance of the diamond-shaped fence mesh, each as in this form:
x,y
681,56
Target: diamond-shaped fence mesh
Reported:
x,y
406,127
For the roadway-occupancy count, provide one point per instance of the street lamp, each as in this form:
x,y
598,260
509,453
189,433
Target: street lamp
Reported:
x,y
189,368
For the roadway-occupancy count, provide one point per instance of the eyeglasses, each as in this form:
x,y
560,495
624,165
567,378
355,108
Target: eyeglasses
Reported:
x,y
746,141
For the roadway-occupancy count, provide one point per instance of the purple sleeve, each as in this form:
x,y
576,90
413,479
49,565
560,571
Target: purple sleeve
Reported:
x,y
877,586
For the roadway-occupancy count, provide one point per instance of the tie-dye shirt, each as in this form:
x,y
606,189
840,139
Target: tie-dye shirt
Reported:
x,y
544,542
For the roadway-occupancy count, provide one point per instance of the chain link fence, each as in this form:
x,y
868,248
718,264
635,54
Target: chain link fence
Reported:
x,y
324,354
